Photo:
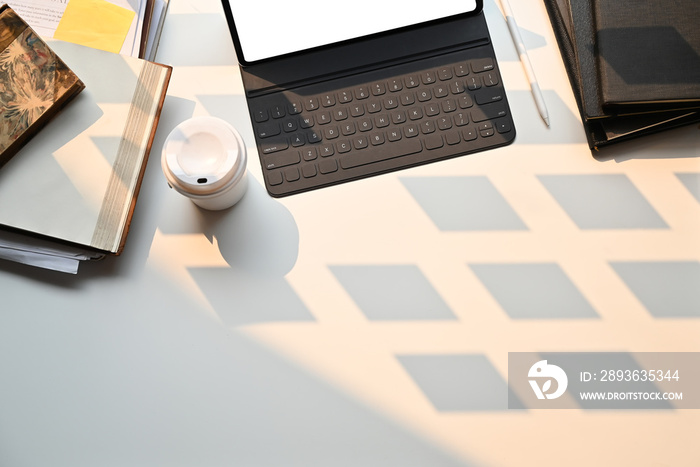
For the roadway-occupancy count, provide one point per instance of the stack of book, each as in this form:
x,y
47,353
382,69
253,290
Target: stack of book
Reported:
x,y
77,128
634,66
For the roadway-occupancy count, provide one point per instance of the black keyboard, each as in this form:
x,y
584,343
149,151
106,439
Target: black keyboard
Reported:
x,y
383,120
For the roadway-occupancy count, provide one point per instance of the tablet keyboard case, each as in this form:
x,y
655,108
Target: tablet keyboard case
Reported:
x,y
378,105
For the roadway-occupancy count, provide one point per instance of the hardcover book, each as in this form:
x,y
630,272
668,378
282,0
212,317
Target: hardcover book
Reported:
x,y
78,180
575,29
34,83
648,53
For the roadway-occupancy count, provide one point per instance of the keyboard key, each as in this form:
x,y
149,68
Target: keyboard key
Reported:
x,y
394,135
398,117
408,98
306,122
323,117
274,147
452,137
348,129
381,120
328,166
282,159
395,85
327,150
331,132
444,74
297,140
313,137
362,92
360,143
484,126
488,112
473,83
311,103
456,87
469,133
260,116
428,77
449,105
374,107
444,123
378,89
381,153
376,139
481,65
412,81
266,130
490,79
503,126
291,174
434,142
289,125
391,103
340,114
364,124
432,109
328,100
424,95
275,178
487,96
427,126
461,118
465,101
357,110
309,170
415,113
309,154
461,69
343,146
440,91
294,108
278,111
344,97
410,131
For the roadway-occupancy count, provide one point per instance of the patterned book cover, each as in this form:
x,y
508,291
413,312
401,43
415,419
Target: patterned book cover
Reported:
x,y
34,83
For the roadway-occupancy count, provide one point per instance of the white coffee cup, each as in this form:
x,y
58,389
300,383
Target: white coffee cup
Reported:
x,y
204,158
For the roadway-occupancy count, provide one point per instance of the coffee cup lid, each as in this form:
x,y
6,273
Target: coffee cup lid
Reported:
x,y
202,156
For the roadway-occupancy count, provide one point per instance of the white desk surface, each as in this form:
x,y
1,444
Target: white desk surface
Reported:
x,y
254,336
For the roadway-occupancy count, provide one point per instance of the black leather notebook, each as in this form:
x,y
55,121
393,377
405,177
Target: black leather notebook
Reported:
x,y
574,26
648,53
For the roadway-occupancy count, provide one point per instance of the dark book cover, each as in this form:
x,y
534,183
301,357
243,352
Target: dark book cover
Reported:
x,y
583,38
601,129
34,83
648,53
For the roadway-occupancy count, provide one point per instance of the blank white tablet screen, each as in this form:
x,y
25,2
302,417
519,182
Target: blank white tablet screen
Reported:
x,y
276,27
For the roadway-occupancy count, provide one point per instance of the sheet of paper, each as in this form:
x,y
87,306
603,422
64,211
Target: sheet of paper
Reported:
x,y
40,260
95,23
160,9
42,253
44,17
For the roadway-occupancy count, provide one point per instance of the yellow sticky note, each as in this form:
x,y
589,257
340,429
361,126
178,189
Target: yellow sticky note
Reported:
x,y
95,23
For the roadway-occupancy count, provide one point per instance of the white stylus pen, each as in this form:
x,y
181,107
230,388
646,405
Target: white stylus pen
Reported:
x,y
525,60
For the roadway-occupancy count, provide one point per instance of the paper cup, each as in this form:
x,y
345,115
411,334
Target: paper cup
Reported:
x,y
204,159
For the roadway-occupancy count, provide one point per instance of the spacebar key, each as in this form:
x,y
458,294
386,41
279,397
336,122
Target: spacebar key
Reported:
x,y
384,152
